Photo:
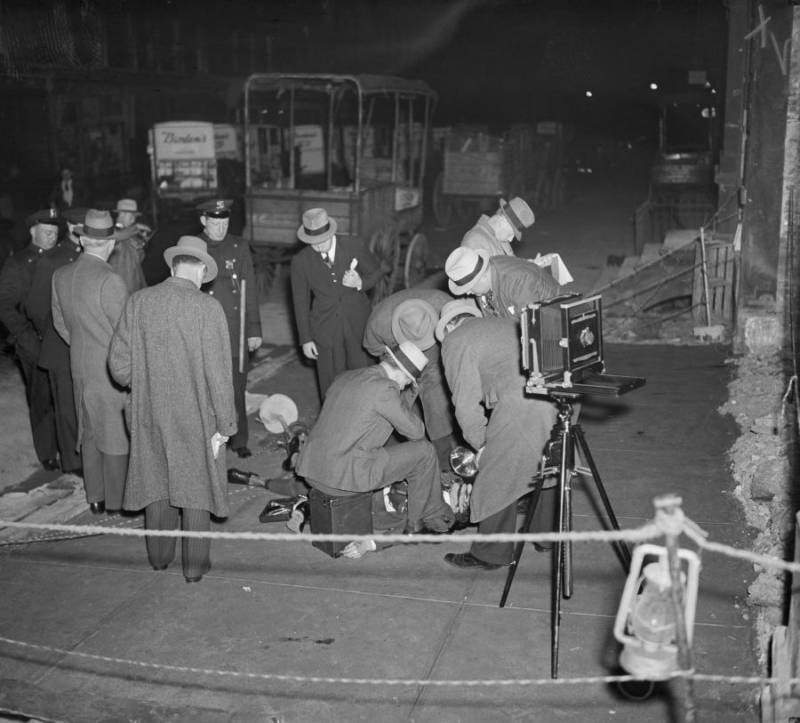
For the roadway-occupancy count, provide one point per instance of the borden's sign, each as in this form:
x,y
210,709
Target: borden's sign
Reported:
x,y
184,141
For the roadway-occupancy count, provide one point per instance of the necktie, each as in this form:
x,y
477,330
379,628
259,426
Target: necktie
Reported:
x,y
327,260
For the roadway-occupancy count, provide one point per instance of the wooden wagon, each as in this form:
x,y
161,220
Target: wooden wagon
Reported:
x,y
353,144
478,167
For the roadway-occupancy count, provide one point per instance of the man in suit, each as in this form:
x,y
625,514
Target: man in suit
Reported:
x,y
495,233
346,448
412,315
172,349
16,284
88,298
330,278
481,362
128,254
503,285
234,286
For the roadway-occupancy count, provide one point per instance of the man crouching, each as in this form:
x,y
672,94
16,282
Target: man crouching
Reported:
x,y
346,448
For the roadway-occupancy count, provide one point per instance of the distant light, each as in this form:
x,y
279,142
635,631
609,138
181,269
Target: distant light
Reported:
x,y
713,91
653,86
588,93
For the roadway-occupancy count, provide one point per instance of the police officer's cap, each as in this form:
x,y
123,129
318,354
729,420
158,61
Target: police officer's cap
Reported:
x,y
216,208
46,216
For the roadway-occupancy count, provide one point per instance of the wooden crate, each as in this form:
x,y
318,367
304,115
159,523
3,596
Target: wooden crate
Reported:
x,y
473,173
721,269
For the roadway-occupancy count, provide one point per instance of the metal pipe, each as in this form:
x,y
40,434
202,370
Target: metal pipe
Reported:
x,y
291,137
395,133
329,150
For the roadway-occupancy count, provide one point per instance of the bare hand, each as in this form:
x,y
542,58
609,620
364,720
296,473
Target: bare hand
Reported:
x,y
352,280
310,350
358,548
253,342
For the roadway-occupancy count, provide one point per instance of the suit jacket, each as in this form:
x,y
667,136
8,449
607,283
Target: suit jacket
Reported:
x,y
345,448
324,310
515,284
481,236
171,347
235,263
482,365
88,298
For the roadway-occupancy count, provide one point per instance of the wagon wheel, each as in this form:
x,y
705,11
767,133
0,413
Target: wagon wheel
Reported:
x,y
442,205
385,247
416,263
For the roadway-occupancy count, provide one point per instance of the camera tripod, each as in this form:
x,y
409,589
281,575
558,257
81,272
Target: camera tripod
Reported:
x,y
570,438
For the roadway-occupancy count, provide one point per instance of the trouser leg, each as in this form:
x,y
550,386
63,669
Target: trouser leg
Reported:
x,y
443,447
544,518
65,418
104,474
239,385
434,397
40,410
356,356
160,515
504,521
115,472
92,471
195,552
416,463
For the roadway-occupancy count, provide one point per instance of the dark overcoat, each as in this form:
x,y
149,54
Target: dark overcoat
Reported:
x,y
126,260
515,284
87,300
433,393
172,348
481,237
482,364
16,278
234,264
345,448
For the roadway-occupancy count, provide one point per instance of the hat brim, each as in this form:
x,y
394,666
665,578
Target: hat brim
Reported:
x,y
462,290
451,314
81,230
312,240
517,231
401,366
277,410
211,265
125,210
427,340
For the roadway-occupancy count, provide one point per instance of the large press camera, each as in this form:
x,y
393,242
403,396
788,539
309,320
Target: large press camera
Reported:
x,y
562,348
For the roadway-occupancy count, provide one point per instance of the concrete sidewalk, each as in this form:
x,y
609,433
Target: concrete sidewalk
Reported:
x,y
286,608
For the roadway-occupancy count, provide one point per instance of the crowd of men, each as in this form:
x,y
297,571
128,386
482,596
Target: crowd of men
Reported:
x,y
138,389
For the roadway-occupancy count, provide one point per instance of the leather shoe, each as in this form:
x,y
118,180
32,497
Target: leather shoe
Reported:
x,y
159,568
194,579
467,560
97,508
50,464
239,477
543,546
243,452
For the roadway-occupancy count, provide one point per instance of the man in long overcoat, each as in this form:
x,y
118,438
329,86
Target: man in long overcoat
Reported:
x,y
495,233
16,281
482,364
330,278
172,348
346,449
503,285
235,263
87,301
412,315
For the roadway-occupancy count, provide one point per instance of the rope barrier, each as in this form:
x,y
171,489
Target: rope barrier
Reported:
x,y
409,682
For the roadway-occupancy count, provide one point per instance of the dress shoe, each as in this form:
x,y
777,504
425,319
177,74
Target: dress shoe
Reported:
x,y
239,477
159,568
543,546
97,508
243,452
194,579
467,560
50,464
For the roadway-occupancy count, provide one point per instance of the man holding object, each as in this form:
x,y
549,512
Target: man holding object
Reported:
x,y
172,348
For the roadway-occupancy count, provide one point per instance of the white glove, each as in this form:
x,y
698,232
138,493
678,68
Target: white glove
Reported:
x,y
310,350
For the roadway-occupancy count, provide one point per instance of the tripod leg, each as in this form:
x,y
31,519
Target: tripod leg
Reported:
x,y
620,547
558,557
567,527
526,527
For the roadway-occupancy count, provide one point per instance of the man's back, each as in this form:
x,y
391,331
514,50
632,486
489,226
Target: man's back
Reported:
x,y
518,282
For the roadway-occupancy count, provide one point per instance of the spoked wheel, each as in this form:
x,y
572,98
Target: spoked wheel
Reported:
x,y
416,264
385,247
442,205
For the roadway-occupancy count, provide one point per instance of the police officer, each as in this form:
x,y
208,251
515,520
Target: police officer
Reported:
x,y
16,281
235,264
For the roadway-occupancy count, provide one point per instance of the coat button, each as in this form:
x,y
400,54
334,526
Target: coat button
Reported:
x,y
211,293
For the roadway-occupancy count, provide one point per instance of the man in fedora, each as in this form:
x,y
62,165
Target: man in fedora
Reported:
x,y
234,285
503,285
495,233
346,450
171,347
505,427
412,315
87,301
20,311
330,278
128,253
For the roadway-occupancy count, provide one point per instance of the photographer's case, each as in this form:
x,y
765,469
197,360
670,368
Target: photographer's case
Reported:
x,y
350,514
